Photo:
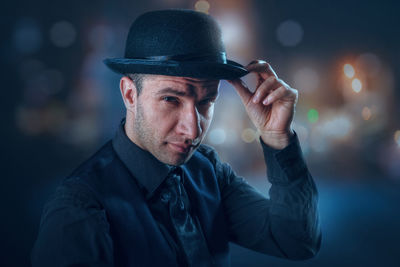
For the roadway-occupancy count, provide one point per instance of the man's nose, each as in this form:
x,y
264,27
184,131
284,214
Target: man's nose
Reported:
x,y
189,124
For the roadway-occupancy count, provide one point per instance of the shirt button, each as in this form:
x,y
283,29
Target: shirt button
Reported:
x,y
176,177
165,197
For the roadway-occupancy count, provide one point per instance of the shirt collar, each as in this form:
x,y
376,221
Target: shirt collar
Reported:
x,y
145,168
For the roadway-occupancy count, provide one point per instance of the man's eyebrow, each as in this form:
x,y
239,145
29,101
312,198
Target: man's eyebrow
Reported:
x,y
212,94
170,90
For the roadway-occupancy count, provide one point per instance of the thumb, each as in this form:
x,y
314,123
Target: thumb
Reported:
x,y
242,89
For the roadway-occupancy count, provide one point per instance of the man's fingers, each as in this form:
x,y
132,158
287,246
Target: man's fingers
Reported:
x,y
279,93
269,87
264,89
261,68
272,97
242,89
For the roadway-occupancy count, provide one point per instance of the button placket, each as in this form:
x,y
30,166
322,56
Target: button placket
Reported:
x,y
189,234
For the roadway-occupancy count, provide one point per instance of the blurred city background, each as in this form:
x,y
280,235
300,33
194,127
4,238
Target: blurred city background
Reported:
x,y
60,104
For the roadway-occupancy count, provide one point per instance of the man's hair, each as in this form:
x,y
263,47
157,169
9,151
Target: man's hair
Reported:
x,y
137,79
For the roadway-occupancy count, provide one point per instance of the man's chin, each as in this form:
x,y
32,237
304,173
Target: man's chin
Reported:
x,y
180,159
176,159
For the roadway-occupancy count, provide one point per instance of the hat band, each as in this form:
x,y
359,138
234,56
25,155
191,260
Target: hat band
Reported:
x,y
218,57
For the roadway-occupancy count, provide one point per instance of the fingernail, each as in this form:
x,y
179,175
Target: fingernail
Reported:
x,y
265,101
256,98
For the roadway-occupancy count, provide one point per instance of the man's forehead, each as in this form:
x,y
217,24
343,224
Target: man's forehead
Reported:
x,y
182,83
183,80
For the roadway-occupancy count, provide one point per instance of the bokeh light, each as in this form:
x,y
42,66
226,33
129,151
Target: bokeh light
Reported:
x,y
366,113
356,85
234,33
397,137
348,70
249,135
202,6
313,115
289,33
337,127
217,136
27,36
62,34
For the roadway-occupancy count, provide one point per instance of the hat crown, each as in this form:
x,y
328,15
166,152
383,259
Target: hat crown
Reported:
x,y
173,32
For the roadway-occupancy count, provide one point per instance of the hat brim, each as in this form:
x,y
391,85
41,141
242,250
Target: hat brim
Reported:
x,y
211,70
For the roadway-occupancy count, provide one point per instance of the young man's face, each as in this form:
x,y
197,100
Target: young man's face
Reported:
x,y
172,116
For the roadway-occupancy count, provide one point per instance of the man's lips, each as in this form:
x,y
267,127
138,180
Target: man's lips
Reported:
x,y
180,147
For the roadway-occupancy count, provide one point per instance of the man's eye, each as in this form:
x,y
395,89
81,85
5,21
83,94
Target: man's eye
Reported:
x,y
206,102
170,99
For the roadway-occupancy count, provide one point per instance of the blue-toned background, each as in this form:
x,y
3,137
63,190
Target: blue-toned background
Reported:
x,y
59,103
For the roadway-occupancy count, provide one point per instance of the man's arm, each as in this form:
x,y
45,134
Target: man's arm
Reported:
x,y
285,225
73,231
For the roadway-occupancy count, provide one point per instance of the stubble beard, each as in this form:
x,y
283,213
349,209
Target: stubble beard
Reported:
x,y
151,141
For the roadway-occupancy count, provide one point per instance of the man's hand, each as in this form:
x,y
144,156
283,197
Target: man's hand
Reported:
x,y
271,106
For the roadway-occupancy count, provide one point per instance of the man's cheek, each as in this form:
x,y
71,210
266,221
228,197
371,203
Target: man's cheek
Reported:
x,y
208,118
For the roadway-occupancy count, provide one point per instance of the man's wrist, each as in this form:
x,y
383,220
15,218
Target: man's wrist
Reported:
x,y
277,140
284,165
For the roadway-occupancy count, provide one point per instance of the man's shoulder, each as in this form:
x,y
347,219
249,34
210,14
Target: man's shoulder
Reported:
x,y
76,188
98,165
101,161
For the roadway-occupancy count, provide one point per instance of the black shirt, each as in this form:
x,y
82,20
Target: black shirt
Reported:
x,y
285,225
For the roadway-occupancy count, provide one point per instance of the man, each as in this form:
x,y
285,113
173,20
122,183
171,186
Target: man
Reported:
x,y
154,196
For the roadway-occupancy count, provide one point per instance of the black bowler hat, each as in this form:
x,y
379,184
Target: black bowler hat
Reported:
x,y
176,42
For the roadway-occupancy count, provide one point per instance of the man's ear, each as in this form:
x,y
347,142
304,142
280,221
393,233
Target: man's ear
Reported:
x,y
128,92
